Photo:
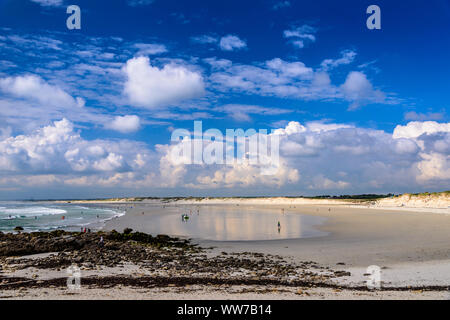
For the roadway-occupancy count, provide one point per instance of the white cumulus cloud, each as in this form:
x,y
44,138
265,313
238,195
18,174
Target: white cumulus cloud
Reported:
x,y
125,124
417,128
152,87
34,88
358,89
314,157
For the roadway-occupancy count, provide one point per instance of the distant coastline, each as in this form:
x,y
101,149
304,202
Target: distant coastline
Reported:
x,y
435,200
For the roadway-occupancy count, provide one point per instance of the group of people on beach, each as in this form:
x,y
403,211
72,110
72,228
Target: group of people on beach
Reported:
x,y
185,216
100,242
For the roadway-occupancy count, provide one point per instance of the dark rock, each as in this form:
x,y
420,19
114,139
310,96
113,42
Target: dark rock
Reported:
x,y
127,230
342,273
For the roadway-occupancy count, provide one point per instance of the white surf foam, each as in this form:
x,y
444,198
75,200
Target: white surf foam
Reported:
x,y
33,211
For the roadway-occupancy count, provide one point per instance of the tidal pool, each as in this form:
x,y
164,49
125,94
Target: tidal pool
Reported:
x,y
235,224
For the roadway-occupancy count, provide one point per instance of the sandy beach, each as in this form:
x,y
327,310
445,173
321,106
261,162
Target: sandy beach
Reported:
x,y
410,246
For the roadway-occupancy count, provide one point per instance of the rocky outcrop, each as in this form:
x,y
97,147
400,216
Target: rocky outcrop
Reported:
x,y
162,259
62,241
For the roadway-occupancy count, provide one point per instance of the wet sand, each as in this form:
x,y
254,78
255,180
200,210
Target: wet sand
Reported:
x,y
357,236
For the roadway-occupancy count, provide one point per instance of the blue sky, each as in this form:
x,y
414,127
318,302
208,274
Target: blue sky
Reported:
x,y
90,112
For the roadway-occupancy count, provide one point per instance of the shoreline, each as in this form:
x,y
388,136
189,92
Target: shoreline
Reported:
x,y
409,203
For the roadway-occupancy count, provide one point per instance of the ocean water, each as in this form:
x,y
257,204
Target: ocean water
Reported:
x,y
47,216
